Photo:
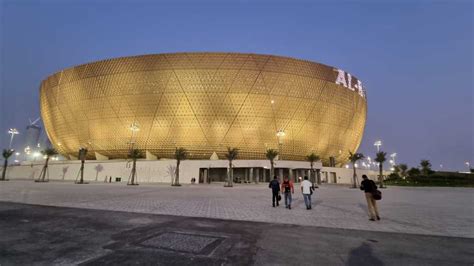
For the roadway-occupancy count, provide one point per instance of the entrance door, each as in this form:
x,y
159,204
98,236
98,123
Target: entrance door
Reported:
x,y
333,177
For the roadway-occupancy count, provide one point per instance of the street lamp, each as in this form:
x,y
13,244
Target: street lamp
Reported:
x,y
280,134
393,155
468,166
378,143
134,127
12,132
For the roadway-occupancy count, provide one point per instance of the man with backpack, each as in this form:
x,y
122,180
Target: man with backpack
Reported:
x,y
369,188
275,186
288,189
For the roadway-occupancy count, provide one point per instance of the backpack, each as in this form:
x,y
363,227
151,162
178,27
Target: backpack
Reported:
x,y
274,185
287,186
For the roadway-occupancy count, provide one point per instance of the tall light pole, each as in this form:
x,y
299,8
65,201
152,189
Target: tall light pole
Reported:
x,y
377,144
12,132
134,127
393,155
280,134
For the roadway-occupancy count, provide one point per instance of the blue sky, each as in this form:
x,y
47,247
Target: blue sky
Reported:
x,y
415,57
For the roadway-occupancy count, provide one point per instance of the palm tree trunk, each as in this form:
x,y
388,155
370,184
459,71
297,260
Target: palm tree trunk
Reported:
x,y
231,174
82,172
45,169
4,172
354,176
176,180
272,170
380,176
134,169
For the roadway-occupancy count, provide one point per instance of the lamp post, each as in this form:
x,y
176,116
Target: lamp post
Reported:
x,y
134,127
12,132
393,156
377,144
280,134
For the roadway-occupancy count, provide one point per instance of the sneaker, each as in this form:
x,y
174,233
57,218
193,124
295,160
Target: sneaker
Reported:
x,y
371,219
378,218
289,207
273,205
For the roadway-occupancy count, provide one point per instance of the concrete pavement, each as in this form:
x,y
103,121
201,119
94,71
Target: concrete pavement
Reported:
x,y
41,235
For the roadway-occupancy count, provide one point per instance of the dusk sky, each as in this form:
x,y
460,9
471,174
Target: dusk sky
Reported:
x,y
414,57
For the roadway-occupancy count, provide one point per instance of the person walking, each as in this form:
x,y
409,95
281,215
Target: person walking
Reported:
x,y
307,190
275,186
288,189
369,187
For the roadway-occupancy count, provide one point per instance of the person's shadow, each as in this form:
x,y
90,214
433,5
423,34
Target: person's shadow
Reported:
x,y
363,255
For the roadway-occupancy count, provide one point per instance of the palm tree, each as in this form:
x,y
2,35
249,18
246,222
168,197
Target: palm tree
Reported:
x,y
82,157
425,167
179,154
311,159
231,155
403,169
135,154
354,157
381,157
271,155
6,154
49,152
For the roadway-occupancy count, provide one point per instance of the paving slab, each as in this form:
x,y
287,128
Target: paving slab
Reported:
x,y
42,235
430,211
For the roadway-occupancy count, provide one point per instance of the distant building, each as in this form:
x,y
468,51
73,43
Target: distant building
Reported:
x,y
33,133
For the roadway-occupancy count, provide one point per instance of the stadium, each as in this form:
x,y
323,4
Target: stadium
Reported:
x,y
204,102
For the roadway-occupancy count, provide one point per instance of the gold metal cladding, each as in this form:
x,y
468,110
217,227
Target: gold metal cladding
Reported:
x,y
204,102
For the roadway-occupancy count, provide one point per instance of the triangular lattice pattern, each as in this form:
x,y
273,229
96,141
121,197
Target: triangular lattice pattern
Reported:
x,y
204,102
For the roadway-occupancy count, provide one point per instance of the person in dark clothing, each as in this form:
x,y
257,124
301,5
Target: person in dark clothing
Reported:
x,y
369,187
275,186
288,189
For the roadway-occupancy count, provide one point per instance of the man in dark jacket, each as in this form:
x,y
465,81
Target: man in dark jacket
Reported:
x,y
275,186
369,187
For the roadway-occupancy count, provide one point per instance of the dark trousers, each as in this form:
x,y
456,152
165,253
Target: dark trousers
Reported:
x,y
275,198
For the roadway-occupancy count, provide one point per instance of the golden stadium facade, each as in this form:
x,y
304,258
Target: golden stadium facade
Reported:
x,y
205,102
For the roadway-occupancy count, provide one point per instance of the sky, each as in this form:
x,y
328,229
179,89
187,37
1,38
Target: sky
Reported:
x,y
414,57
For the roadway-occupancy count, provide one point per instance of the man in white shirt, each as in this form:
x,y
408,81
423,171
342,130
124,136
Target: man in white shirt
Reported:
x,y
307,190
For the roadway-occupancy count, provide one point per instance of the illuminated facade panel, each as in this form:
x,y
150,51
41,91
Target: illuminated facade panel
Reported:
x,y
205,102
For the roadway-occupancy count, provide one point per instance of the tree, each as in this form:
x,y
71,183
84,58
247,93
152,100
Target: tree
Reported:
x,y
82,157
354,157
6,154
135,154
231,155
179,154
271,155
403,170
381,157
49,152
311,158
413,172
426,167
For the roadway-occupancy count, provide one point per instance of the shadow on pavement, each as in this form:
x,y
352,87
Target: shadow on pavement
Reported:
x,y
363,255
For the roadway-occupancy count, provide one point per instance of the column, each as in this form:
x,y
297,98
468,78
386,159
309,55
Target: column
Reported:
x,y
280,173
291,176
257,176
204,176
251,175
246,175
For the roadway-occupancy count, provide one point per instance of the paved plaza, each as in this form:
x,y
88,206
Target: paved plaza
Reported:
x,y
428,211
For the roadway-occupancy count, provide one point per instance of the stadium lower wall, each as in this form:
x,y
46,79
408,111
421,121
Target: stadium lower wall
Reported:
x,y
162,171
